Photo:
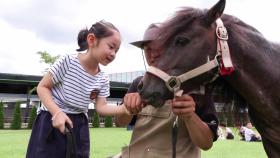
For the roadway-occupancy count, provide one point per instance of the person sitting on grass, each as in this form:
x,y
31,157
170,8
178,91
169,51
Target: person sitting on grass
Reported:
x,y
250,135
226,132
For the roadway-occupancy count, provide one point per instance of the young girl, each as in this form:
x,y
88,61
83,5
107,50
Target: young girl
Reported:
x,y
67,89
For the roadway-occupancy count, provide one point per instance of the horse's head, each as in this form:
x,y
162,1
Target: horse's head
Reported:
x,y
188,41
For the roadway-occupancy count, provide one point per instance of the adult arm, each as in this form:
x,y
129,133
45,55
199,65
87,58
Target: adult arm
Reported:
x,y
200,133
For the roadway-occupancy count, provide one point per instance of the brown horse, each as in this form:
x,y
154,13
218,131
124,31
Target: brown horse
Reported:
x,y
192,38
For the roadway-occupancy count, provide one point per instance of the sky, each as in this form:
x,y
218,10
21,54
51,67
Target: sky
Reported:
x,y
29,26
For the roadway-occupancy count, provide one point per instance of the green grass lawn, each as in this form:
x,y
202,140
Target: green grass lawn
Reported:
x,y
235,149
108,141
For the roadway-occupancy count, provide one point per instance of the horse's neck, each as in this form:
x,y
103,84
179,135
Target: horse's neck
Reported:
x,y
257,73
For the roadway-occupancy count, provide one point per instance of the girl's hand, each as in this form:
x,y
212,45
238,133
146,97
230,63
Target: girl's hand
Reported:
x,y
183,106
133,103
59,119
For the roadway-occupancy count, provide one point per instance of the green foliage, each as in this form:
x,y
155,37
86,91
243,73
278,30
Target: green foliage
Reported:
x,y
95,122
47,58
108,121
32,90
16,123
1,115
32,117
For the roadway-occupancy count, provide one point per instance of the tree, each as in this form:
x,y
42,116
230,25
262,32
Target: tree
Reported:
x,y
1,115
28,102
32,117
16,123
108,121
95,120
47,58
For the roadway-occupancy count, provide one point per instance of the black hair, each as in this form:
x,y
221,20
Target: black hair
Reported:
x,y
100,30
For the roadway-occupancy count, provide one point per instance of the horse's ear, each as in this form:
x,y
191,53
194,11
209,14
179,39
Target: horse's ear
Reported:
x,y
215,12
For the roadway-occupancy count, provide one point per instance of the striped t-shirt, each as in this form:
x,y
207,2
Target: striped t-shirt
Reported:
x,y
73,88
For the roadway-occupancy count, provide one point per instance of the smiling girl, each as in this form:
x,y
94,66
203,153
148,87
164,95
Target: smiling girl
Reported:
x,y
66,90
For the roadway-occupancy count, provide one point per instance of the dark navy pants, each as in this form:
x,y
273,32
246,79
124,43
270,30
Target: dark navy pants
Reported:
x,y
47,141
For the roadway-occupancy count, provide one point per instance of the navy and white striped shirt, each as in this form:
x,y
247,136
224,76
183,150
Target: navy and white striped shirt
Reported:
x,y
73,88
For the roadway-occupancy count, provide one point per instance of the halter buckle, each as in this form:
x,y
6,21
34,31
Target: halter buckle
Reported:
x,y
173,84
221,33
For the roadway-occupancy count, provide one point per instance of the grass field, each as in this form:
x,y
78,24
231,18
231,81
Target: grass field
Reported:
x,y
108,141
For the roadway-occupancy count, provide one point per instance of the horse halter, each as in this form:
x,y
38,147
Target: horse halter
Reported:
x,y
222,60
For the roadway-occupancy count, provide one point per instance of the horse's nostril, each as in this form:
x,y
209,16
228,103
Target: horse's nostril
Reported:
x,y
150,100
156,94
140,87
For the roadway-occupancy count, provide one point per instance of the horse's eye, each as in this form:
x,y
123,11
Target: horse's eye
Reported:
x,y
181,41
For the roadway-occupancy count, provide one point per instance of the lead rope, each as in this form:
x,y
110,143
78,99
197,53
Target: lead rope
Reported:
x,y
174,137
71,151
177,93
144,60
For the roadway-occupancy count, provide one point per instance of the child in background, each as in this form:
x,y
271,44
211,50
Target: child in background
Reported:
x,y
229,134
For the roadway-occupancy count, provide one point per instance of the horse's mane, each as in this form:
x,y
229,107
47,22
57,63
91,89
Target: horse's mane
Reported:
x,y
186,15
177,23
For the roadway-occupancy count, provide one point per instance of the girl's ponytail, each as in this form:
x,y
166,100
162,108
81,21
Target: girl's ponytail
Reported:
x,y
82,40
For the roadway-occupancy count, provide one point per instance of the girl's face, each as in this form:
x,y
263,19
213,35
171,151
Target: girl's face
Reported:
x,y
106,49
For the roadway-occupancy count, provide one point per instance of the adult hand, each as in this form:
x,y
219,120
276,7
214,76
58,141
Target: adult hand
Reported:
x,y
133,103
59,120
183,106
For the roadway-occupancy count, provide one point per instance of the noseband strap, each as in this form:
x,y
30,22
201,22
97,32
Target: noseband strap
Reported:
x,y
173,83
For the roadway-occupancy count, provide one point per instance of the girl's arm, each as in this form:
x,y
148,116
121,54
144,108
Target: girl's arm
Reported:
x,y
44,92
133,104
102,108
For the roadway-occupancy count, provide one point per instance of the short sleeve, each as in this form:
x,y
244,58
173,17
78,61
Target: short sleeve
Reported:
x,y
133,87
59,69
105,87
206,111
